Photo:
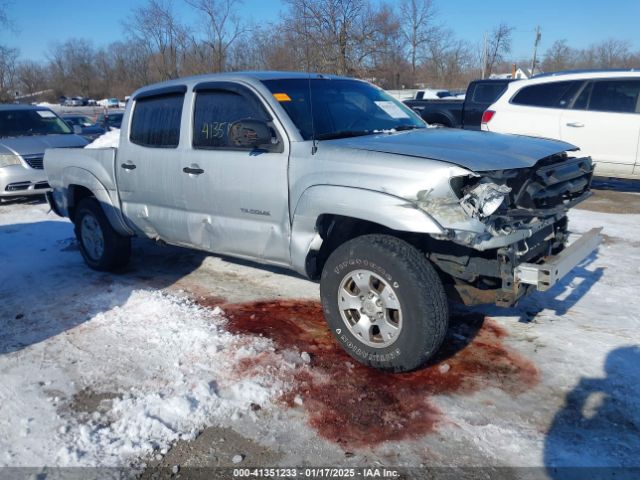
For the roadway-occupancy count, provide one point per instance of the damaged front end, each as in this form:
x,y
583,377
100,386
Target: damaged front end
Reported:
x,y
514,234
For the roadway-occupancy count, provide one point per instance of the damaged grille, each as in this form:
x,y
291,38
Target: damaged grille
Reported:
x,y
556,183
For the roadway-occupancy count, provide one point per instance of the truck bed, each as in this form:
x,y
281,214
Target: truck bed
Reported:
x,y
85,166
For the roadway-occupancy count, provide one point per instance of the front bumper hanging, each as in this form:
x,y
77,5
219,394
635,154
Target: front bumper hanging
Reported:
x,y
545,275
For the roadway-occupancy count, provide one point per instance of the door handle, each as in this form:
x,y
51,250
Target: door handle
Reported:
x,y
193,170
575,124
128,166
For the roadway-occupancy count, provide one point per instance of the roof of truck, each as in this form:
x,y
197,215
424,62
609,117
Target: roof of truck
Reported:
x,y
250,76
20,106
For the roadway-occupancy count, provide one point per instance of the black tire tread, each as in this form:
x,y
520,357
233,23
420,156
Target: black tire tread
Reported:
x,y
117,247
433,298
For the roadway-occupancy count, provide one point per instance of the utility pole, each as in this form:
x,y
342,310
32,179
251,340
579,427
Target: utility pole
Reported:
x,y
484,56
535,49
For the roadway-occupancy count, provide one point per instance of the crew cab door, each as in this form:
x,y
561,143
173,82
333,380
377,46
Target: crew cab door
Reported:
x,y
605,123
237,198
148,166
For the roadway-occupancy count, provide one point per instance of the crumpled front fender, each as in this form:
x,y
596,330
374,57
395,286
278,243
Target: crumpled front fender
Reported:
x,y
376,207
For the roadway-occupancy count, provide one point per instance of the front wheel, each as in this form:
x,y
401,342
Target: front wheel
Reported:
x,y
101,246
384,302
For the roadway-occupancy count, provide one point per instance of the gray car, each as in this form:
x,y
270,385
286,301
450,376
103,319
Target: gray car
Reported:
x,y
25,132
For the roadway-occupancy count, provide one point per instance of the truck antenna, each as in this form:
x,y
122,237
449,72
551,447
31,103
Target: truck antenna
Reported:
x,y
314,147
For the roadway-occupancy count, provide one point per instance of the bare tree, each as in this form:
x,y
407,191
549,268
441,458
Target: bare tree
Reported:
x,y
612,53
559,56
31,77
222,27
383,59
418,27
330,32
155,25
448,61
8,61
71,66
499,45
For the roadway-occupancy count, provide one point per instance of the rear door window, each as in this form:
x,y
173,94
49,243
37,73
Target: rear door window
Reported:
x,y
156,121
619,96
488,92
216,111
549,95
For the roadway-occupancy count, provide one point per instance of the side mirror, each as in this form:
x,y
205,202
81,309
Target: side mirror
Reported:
x,y
250,134
77,129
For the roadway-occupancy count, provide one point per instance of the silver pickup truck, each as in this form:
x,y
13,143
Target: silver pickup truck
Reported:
x,y
333,178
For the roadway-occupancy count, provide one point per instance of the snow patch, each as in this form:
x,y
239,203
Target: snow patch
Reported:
x,y
171,365
111,139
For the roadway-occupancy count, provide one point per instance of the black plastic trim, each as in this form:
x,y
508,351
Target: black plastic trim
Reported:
x,y
158,92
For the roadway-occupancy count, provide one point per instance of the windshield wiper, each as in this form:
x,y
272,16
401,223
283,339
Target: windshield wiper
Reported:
x,y
401,128
343,134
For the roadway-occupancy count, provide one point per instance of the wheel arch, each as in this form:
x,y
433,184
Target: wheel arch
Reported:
x,y
441,118
327,216
81,184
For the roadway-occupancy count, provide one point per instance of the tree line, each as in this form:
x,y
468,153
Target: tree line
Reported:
x,y
395,45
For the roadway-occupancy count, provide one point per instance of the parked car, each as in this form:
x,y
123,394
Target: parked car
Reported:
x,y
110,119
433,94
74,102
598,111
460,112
109,102
25,132
83,125
335,179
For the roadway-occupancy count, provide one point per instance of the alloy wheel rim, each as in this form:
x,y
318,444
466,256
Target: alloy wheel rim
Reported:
x,y
92,237
370,308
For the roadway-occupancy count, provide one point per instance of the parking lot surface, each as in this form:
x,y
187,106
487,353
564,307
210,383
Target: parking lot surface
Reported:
x,y
191,359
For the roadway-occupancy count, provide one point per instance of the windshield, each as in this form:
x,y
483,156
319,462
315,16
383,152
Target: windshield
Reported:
x,y
18,123
82,121
111,119
341,108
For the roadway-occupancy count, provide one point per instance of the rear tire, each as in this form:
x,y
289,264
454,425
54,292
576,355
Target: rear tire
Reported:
x,y
101,246
384,302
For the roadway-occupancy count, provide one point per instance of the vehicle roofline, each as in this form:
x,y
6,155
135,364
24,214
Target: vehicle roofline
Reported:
x,y
572,75
251,77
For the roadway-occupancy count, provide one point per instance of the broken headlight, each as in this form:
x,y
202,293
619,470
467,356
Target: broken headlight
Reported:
x,y
484,199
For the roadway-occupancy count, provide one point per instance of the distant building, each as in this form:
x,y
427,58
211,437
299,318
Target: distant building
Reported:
x,y
521,73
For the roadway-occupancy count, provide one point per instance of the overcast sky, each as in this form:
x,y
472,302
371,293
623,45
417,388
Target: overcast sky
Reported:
x,y
39,23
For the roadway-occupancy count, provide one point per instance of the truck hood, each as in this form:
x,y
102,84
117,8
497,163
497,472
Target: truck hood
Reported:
x,y
476,151
36,144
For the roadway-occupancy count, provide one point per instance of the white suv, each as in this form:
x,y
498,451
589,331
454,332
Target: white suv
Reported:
x,y
598,111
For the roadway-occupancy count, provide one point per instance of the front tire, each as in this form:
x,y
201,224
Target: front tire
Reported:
x,y
101,246
384,302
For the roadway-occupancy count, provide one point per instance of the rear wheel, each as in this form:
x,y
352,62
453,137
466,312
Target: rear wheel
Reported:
x,y
384,302
101,246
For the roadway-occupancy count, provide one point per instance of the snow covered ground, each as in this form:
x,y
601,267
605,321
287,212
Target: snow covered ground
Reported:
x,y
113,370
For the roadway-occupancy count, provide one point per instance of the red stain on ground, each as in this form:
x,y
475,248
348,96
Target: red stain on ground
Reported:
x,y
358,406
